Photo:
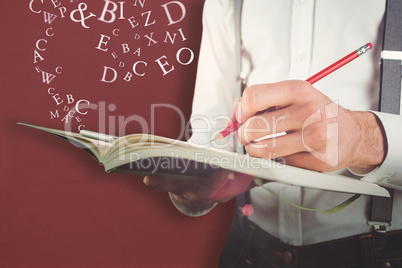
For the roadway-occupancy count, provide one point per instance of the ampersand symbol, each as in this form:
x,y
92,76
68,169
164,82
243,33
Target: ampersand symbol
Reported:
x,y
81,8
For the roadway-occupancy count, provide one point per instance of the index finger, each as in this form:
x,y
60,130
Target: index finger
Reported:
x,y
260,97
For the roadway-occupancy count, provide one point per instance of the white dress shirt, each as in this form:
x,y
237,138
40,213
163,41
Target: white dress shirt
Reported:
x,y
294,39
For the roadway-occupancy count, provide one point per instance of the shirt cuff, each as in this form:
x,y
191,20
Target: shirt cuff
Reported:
x,y
191,211
389,174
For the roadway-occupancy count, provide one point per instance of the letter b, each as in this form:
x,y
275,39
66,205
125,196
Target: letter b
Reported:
x,y
110,11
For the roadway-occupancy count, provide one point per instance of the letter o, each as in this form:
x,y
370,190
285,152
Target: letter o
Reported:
x,y
191,56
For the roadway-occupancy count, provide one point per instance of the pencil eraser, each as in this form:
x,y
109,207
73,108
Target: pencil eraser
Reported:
x,y
370,45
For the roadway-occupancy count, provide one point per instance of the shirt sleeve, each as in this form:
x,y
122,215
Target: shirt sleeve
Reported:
x,y
215,84
216,75
389,174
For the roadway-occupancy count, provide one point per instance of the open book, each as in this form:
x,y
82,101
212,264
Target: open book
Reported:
x,y
145,154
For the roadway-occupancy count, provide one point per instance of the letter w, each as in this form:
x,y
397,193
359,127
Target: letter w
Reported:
x,y
49,17
47,77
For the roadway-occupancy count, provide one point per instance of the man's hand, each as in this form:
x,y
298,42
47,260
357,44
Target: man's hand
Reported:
x,y
220,186
320,135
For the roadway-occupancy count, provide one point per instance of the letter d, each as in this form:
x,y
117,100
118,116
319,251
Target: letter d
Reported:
x,y
183,12
105,70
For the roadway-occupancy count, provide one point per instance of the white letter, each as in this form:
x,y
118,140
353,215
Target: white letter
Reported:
x,y
56,3
37,55
150,39
57,99
54,115
128,77
126,49
164,64
104,75
77,106
110,11
70,98
146,22
30,6
62,10
135,65
57,69
183,10
47,33
170,37
141,3
133,22
121,11
191,56
103,42
37,44
138,51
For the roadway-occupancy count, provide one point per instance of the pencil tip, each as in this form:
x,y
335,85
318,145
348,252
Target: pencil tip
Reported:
x,y
217,137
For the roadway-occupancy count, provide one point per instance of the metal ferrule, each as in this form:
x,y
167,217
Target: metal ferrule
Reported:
x,y
363,49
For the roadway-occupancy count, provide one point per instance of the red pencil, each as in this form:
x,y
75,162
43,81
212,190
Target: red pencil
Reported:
x,y
333,67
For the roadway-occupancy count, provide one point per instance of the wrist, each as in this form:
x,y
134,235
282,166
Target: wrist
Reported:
x,y
371,142
197,204
192,208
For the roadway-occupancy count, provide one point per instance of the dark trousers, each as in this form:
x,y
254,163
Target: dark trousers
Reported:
x,y
250,246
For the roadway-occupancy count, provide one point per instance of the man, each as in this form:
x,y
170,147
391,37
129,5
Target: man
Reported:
x,y
283,41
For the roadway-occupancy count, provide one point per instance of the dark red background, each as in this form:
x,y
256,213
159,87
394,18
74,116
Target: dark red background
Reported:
x,y
58,208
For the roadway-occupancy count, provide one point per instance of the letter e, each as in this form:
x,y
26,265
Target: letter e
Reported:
x,y
162,65
102,42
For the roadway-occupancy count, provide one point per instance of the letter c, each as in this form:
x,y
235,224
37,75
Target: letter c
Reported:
x,y
47,32
71,113
37,44
135,68
57,69
48,91
31,8
77,106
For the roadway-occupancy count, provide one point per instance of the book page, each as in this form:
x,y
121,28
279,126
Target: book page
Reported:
x,y
160,156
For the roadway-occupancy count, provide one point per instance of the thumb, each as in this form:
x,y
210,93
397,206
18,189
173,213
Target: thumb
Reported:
x,y
155,182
